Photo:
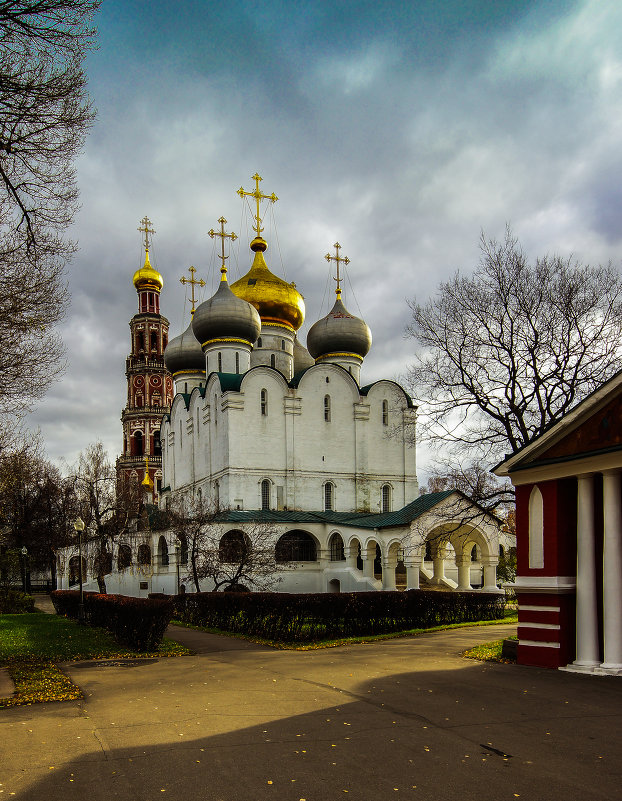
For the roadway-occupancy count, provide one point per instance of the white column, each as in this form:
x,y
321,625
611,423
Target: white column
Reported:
x,y
612,573
368,566
413,566
388,574
438,562
490,573
463,564
587,612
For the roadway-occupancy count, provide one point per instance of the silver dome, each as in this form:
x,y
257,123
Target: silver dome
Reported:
x,y
302,357
225,316
339,332
184,354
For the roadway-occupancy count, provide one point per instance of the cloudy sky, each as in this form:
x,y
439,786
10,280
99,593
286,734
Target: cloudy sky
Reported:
x,y
401,129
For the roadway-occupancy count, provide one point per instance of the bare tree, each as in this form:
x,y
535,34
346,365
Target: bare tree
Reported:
x,y
240,557
108,514
509,350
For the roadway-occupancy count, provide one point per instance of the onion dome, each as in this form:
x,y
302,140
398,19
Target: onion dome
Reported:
x,y
184,355
147,277
226,316
339,332
276,301
302,357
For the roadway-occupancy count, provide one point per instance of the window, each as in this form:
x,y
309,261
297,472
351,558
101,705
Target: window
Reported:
x,y
282,344
337,551
124,557
144,554
264,402
163,552
536,529
157,445
259,342
183,549
386,498
219,362
233,547
474,554
237,362
328,496
385,413
327,408
272,360
138,444
154,341
296,546
217,494
265,494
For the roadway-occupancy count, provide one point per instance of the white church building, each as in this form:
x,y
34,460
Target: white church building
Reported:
x,y
274,432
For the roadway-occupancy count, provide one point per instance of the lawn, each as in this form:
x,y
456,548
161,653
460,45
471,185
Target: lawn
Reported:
x,y
31,644
489,652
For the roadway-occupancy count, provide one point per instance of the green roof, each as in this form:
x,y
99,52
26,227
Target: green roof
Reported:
x,y
401,517
230,382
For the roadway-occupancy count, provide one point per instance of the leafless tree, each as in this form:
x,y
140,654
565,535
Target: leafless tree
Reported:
x,y
506,352
233,557
108,514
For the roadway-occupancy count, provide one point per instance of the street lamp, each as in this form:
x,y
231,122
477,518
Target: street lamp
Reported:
x,y
78,525
177,558
24,553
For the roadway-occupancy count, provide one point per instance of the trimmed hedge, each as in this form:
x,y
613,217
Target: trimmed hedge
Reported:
x,y
139,623
14,602
285,617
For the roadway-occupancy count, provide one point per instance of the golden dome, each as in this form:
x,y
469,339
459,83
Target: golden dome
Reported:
x,y
276,301
147,277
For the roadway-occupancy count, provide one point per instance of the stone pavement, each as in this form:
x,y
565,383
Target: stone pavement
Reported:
x,y
405,717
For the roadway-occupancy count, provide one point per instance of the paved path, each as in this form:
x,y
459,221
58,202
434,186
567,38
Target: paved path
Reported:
x,y
393,719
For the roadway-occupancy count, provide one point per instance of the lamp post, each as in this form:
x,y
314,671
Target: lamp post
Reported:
x,y
24,553
79,528
177,558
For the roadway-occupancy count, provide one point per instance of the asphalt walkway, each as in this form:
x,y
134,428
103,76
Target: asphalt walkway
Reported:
x,y
405,717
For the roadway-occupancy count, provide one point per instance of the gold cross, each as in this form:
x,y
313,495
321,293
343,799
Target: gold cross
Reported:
x,y
146,230
258,196
338,259
223,236
193,282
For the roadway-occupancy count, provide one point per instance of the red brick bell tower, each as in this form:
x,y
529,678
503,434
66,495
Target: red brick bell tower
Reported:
x,y
149,384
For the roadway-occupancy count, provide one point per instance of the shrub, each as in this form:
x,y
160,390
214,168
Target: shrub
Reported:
x,y
15,601
303,617
139,623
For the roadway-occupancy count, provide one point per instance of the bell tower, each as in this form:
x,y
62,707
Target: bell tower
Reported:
x,y
149,384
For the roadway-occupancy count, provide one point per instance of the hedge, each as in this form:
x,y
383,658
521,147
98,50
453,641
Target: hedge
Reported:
x,y
285,617
15,601
139,623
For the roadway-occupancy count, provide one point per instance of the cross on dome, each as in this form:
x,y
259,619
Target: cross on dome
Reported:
x,y
258,196
337,258
193,282
146,230
223,236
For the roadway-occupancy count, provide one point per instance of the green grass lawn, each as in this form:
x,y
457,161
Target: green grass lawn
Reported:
x,y
30,644
489,652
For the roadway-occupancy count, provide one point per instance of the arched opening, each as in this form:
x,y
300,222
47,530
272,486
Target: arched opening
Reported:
x,y
259,344
536,529
265,494
157,445
501,552
475,554
144,554
263,399
334,586
219,362
329,496
327,408
154,341
337,551
74,570
272,360
138,448
378,564
183,549
282,344
385,413
140,342
163,552
124,556
296,546
234,547
237,362
386,498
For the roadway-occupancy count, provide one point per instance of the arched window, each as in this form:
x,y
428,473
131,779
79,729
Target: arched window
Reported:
x,y
217,494
154,341
282,344
259,345
337,551
536,529
329,496
264,402
475,554
163,552
265,494
386,497
327,408
157,445
233,547
272,360
198,425
144,554
138,443
219,362
385,413
124,557
140,342
296,546
183,549
237,362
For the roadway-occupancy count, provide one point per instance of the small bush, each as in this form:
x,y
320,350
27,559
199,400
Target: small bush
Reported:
x,y
284,617
139,623
13,602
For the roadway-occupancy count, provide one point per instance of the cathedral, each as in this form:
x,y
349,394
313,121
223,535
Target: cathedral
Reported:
x,y
237,414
